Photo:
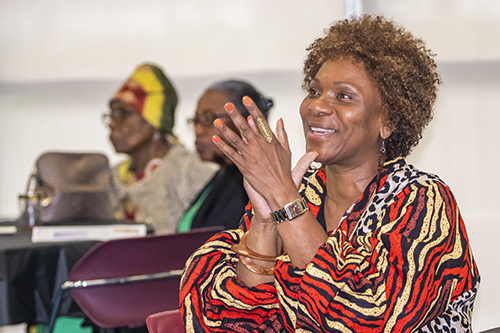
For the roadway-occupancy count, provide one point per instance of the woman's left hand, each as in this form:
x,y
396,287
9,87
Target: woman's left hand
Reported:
x,y
266,166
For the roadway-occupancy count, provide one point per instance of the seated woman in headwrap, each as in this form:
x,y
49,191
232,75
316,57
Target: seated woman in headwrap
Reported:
x,y
223,200
160,178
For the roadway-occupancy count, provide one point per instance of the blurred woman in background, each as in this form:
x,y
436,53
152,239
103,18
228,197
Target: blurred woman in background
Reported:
x,y
223,200
160,177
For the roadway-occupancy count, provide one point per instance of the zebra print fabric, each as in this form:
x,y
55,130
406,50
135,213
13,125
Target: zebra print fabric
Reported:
x,y
400,261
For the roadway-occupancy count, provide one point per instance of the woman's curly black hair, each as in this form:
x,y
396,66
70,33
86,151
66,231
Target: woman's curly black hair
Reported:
x,y
399,65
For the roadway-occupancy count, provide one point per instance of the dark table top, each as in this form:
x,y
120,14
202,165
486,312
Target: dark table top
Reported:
x,y
31,273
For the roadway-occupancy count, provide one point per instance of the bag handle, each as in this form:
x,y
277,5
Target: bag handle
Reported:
x,y
29,211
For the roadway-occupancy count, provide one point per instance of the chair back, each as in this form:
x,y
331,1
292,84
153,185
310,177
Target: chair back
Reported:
x,y
166,322
129,301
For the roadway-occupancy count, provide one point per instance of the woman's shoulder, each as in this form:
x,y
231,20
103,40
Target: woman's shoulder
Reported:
x,y
179,152
401,180
180,157
399,175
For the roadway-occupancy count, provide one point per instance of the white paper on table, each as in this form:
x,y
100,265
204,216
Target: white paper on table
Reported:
x,y
87,232
7,229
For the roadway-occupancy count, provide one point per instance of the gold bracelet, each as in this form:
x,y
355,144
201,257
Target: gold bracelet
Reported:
x,y
254,268
243,250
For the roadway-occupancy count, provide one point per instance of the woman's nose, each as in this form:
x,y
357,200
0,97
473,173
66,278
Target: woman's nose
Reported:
x,y
112,123
199,129
320,107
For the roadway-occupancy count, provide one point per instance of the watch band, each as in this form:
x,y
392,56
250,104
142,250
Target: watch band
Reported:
x,y
290,211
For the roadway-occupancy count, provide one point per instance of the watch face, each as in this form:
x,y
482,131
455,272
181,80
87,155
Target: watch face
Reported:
x,y
293,210
290,211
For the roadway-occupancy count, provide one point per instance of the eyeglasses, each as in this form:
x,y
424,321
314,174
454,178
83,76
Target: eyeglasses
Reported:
x,y
205,119
117,116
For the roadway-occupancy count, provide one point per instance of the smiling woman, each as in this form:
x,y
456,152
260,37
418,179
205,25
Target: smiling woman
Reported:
x,y
367,242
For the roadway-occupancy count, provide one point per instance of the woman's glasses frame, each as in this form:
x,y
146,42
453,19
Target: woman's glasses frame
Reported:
x,y
206,119
117,116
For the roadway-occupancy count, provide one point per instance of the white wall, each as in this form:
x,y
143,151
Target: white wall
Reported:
x,y
71,39
60,61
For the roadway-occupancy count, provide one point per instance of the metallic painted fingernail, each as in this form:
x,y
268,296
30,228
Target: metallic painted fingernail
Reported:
x,y
247,101
229,106
216,138
218,123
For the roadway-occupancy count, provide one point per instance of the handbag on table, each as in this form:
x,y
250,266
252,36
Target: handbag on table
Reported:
x,y
68,187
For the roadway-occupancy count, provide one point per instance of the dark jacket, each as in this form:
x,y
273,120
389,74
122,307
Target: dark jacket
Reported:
x,y
225,204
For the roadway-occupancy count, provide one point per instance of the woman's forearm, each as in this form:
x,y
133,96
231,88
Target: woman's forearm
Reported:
x,y
303,235
263,239
300,238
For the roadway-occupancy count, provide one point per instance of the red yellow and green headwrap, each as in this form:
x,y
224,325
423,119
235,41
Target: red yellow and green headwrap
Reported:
x,y
152,95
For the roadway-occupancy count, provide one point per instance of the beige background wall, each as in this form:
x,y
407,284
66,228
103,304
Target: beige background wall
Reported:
x,y
60,61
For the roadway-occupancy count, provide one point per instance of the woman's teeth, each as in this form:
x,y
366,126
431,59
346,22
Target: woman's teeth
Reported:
x,y
318,130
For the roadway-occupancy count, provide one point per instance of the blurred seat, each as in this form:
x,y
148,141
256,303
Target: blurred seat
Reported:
x,y
121,282
165,322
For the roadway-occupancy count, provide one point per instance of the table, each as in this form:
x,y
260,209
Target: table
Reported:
x,y
30,275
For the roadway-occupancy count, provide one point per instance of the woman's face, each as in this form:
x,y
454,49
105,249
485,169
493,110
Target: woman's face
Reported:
x,y
210,106
129,131
341,114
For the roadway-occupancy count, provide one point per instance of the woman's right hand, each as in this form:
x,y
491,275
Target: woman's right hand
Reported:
x,y
263,236
259,204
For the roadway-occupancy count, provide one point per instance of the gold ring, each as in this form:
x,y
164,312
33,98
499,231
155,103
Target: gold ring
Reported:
x,y
264,129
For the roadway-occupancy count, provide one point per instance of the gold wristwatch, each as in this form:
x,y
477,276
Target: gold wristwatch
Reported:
x,y
290,211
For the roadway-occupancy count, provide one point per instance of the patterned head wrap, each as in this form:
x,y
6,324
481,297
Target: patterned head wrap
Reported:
x,y
152,95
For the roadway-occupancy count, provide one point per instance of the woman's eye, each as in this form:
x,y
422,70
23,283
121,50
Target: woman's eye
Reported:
x,y
119,114
312,92
209,117
343,96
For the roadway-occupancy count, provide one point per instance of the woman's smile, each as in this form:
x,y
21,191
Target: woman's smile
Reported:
x,y
321,131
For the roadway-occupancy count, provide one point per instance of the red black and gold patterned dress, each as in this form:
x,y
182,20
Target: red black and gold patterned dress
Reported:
x,y
400,261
